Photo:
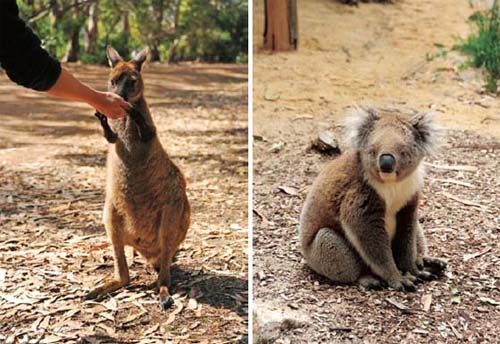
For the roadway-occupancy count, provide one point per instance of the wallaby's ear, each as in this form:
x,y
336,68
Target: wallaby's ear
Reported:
x,y
359,124
427,133
113,56
140,57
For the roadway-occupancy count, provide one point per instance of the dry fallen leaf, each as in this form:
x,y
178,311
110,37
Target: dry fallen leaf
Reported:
x,y
151,330
132,317
426,302
192,304
289,190
171,316
277,147
490,301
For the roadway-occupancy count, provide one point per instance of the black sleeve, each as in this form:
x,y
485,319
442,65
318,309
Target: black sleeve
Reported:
x,y
21,55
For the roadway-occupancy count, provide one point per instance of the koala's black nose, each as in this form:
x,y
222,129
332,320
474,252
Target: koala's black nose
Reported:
x,y
386,163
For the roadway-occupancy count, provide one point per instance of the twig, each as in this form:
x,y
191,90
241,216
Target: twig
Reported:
x,y
400,306
463,201
470,256
466,168
454,181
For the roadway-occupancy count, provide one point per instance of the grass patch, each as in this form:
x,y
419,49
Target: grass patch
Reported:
x,y
482,46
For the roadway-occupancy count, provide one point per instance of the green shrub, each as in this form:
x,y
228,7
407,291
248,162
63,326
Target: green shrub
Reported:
x,y
483,45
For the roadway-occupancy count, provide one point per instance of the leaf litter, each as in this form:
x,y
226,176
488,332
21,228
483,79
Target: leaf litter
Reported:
x,y
53,247
466,236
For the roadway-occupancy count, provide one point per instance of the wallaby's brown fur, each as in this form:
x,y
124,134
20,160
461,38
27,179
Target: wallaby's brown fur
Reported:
x,y
146,205
359,222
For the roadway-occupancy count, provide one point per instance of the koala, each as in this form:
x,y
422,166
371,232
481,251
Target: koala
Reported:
x,y
359,223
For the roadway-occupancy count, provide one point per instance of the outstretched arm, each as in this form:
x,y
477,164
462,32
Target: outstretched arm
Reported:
x,y
29,65
107,103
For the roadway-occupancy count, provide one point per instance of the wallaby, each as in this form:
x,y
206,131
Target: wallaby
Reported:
x,y
146,206
359,222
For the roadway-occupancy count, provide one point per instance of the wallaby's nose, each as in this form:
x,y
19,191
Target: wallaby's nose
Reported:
x,y
386,163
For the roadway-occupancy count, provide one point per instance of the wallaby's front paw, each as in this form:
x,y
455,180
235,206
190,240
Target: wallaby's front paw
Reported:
x,y
406,283
435,266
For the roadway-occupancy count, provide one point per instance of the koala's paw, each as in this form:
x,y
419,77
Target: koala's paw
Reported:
x,y
435,266
405,283
420,262
370,283
424,275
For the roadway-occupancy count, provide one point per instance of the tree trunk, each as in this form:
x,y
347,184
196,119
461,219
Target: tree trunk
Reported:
x,y
56,14
157,33
73,51
92,28
126,25
172,54
74,46
280,31
177,13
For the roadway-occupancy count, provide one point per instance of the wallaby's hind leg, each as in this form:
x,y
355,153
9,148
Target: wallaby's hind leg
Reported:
x,y
165,281
172,233
331,255
112,222
433,265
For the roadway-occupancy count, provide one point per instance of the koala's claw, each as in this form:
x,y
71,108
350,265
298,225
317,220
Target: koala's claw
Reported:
x,y
435,266
409,285
426,275
406,283
370,283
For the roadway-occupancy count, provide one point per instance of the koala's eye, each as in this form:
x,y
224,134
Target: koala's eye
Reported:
x,y
114,82
372,151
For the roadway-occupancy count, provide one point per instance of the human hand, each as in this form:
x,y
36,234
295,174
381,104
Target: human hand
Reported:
x,y
111,105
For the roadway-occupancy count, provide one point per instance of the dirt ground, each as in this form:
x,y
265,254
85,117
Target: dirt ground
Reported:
x,y
380,55
53,248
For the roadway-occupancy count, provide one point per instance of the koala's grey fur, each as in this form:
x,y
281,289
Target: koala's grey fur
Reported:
x,y
361,225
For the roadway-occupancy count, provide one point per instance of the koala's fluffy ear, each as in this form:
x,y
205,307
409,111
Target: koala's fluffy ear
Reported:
x,y
113,56
359,124
427,133
140,57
